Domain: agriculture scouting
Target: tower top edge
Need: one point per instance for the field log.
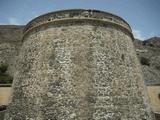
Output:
(76, 13)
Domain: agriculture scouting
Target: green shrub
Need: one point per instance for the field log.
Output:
(5, 79)
(3, 68)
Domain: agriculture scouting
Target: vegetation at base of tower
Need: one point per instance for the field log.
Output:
(3, 68)
(4, 77)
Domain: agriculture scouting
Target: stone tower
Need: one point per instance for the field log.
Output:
(78, 65)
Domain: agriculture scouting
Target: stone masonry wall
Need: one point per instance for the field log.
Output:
(78, 72)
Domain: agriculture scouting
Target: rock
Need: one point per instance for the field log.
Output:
(152, 42)
(148, 52)
(10, 44)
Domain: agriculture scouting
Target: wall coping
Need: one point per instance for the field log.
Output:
(73, 15)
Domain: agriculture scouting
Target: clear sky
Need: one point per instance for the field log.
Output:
(142, 15)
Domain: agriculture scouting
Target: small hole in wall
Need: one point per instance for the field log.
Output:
(49, 19)
(145, 61)
(122, 57)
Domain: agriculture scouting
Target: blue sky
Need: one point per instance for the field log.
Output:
(142, 15)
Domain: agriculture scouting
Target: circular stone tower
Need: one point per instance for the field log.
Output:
(78, 65)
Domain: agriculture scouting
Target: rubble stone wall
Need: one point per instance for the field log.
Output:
(81, 70)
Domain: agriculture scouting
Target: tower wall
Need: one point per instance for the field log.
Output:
(82, 67)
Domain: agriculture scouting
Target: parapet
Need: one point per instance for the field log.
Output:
(78, 16)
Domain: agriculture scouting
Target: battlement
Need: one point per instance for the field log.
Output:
(78, 15)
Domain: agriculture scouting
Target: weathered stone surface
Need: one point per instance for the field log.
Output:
(78, 70)
(2, 113)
